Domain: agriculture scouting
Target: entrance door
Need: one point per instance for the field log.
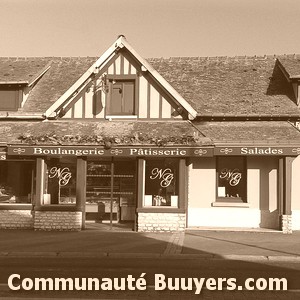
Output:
(111, 191)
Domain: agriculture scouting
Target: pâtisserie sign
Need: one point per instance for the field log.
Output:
(120, 151)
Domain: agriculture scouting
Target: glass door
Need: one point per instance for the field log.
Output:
(110, 192)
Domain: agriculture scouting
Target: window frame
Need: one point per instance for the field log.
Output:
(225, 201)
(122, 78)
(161, 161)
(47, 202)
(18, 95)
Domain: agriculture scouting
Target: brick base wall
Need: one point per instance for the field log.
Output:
(57, 220)
(161, 222)
(286, 224)
(16, 219)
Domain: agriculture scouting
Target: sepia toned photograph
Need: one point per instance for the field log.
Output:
(149, 149)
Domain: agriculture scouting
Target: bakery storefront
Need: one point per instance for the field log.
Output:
(67, 186)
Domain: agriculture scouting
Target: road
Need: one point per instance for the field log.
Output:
(104, 267)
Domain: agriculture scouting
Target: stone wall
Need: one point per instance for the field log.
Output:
(16, 219)
(161, 222)
(286, 224)
(57, 220)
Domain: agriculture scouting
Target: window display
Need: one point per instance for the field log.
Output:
(161, 183)
(60, 181)
(231, 179)
(16, 182)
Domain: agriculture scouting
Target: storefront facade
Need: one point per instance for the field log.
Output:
(119, 144)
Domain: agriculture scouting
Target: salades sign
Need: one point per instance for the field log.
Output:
(114, 151)
(257, 150)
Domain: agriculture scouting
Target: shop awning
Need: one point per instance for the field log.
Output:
(267, 138)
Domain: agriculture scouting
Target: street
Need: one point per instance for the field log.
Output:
(104, 267)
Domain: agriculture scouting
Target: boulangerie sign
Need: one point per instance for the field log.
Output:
(89, 151)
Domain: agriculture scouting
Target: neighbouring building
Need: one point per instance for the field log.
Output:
(162, 144)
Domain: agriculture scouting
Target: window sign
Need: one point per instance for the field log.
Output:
(231, 179)
(60, 182)
(161, 186)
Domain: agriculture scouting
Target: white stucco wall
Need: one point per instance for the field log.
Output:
(261, 196)
(296, 194)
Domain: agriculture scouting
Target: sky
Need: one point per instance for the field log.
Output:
(155, 28)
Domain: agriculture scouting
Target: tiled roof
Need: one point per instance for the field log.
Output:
(230, 85)
(21, 69)
(250, 132)
(143, 131)
(212, 86)
(62, 74)
(291, 64)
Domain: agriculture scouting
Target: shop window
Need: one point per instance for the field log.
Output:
(60, 181)
(121, 100)
(231, 179)
(161, 183)
(16, 182)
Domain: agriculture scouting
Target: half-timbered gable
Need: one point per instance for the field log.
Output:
(121, 87)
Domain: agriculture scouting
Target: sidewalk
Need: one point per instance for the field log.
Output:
(205, 244)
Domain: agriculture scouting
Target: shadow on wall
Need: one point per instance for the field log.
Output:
(268, 203)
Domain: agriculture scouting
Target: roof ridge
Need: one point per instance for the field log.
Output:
(224, 57)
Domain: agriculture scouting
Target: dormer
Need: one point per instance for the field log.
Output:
(290, 67)
(18, 76)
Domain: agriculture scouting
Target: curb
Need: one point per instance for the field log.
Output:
(270, 258)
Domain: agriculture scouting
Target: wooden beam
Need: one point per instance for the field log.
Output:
(182, 187)
(40, 175)
(81, 187)
(285, 185)
(140, 182)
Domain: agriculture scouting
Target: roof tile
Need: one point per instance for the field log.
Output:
(235, 85)
(250, 131)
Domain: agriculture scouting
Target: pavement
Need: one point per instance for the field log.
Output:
(191, 244)
(201, 244)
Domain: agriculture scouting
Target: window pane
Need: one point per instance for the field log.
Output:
(60, 187)
(231, 178)
(116, 99)
(121, 98)
(161, 183)
(128, 98)
(16, 182)
(8, 99)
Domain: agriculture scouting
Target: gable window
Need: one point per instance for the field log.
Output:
(122, 96)
(231, 179)
(9, 98)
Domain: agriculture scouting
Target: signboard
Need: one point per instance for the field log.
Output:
(257, 150)
(2, 155)
(114, 151)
